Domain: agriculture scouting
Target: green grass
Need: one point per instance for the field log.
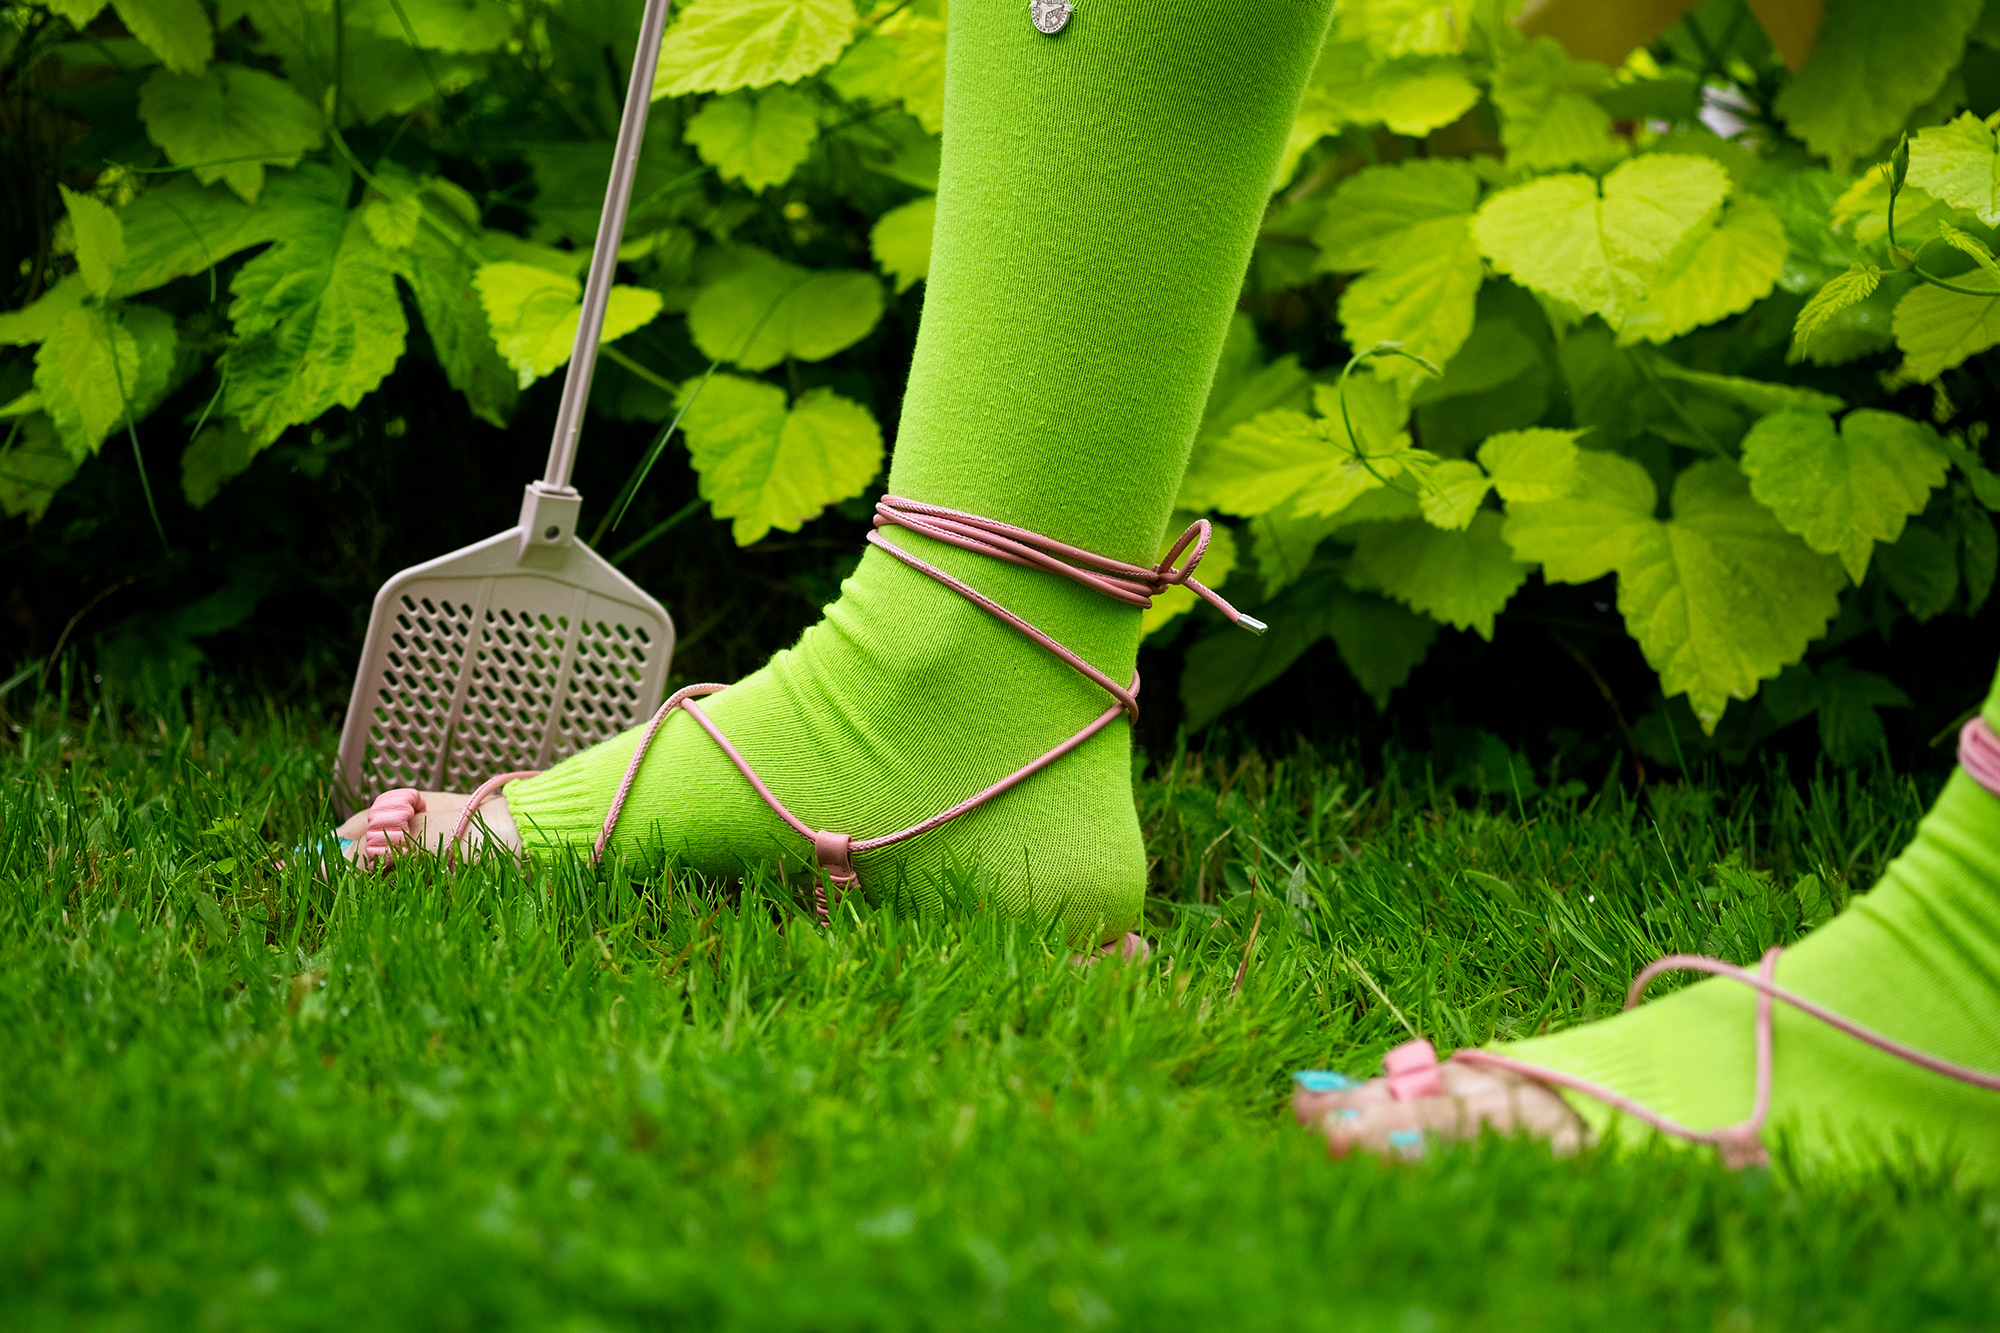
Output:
(233, 1097)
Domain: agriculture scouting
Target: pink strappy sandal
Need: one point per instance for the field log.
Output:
(1412, 1067)
(833, 852)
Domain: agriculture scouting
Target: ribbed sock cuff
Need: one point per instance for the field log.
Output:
(565, 806)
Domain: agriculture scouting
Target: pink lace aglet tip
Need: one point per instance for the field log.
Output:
(1251, 623)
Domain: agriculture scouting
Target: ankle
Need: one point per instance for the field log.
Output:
(917, 628)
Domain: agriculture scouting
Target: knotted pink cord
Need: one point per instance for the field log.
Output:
(1135, 585)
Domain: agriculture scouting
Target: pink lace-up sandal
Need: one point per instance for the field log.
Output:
(389, 819)
(1412, 1068)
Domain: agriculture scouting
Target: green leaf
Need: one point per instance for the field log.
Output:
(78, 12)
(181, 227)
(1959, 163)
(768, 468)
(1843, 491)
(1243, 389)
(1978, 549)
(902, 60)
(1452, 493)
(1286, 455)
(43, 319)
(1922, 570)
(1216, 566)
(897, 147)
(1759, 397)
(214, 456)
(1409, 224)
(177, 31)
(1605, 386)
(1872, 65)
(32, 469)
(1672, 96)
(757, 138)
(379, 75)
(1497, 354)
(1850, 288)
(1391, 28)
(1967, 244)
(717, 46)
(1461, 578)
(1379, 641)
(1601, 252)
(1862, 210)
(1938, 329)
(1282, 541)
(1594, 529)
(103, 368)
(1381, 214)
(442, 271)
(534, 315)
(462, 27)
(1719, 597)
(214, 121)
(393, 223)
(1425, 300)
(761, 310)
(318, 324)
(1548, 113)
(100, 241)
(1985, 485)
(1531, 465)
(1850, 728)
(901, 241)
(1726, 269)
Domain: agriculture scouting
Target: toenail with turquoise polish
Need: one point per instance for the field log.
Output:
(1324, 1080)
(1347, 1113)
(1405, 1138)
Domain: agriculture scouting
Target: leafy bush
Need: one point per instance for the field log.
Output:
(1681, 323)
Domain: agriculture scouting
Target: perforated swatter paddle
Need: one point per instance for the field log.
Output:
(529, 646)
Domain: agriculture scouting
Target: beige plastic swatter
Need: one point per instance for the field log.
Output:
(529, 646)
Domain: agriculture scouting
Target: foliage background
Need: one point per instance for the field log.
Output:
(310, 262)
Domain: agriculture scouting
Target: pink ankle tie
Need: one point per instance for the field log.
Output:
(1135, 585)
(1413, 1067)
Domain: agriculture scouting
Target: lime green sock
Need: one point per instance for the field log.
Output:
(1917, 959)
(1099, 196)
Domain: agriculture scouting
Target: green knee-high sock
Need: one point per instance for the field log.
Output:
(1099, 196)
(1917, 959)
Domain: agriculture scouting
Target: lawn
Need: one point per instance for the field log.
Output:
(235, 1097)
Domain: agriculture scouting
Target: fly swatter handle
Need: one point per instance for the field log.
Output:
(604, 256)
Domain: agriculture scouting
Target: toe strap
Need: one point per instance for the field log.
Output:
(390, 820)
(1413, 1071)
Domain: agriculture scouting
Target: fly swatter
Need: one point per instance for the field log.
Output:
(529, 646)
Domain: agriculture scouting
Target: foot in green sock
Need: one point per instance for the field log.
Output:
(1099, 196)
(1917, 960)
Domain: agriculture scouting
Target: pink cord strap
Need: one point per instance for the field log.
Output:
(1740, 1144)
(1135, 585)
(1979, 754)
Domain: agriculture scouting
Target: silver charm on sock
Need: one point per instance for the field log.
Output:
(1050, 15)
